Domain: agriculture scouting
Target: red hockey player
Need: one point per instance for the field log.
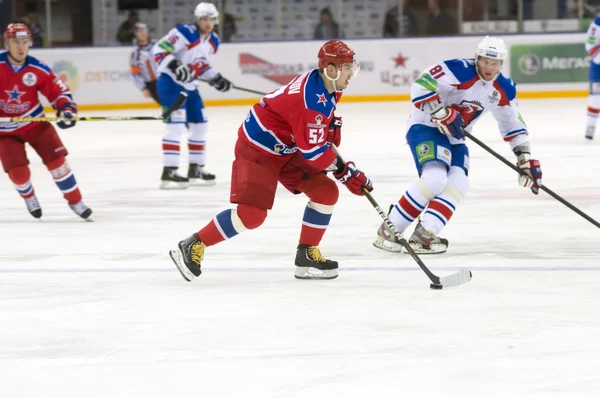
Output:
(22, 77)
(286, 138)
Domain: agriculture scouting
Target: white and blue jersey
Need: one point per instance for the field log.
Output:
(185, 44)
(456, 83)
(592, 46)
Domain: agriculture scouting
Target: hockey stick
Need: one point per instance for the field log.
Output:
(455, 279)
(176, 105)
(521, 172)
(248, 90)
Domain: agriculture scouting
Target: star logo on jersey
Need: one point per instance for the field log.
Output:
(14, 95)
(322, 99)
(400, 61)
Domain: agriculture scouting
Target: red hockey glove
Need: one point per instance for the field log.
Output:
(334, 134)
(451, 124)
(354, 179)
(533, 173)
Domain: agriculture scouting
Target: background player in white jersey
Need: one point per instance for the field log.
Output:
(183, 56)
(448, 97)
(592, 46)
(141, 62)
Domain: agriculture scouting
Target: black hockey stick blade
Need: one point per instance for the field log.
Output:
(176, 105)
(521, 172)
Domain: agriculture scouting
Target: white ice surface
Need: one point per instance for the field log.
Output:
(96, 309)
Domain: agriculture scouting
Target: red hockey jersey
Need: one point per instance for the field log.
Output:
(294, 117)
(19, 92)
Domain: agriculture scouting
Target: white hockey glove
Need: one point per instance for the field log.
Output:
(182, 73)
(450, 122)
(532, 178)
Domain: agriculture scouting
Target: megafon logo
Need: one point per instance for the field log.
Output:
(279, 73)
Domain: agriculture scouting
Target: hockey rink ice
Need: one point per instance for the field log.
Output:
(97, 309)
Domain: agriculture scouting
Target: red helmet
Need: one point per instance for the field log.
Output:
(17, 31)
(336, 52)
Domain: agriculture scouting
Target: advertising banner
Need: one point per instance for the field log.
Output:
(549, 63)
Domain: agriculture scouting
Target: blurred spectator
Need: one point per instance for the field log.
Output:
(228, 29)
(37, 38)
(391, 24)
(327, 27)
(126, 32)
(440, 22)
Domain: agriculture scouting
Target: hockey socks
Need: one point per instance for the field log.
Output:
(314, 223)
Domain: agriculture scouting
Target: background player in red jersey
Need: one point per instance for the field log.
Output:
(286, 138)
(21, 78)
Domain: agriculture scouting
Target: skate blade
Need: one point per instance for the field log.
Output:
(173, 185)
(386, 245)
(199, 182)
(177, 258)
(434, 249)
(314, 273)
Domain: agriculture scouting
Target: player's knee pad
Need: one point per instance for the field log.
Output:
(198, 131)
(251, 216)
(59, 167)
(594, 89)
(173, 131)
(19, 175)
(458, 183)
(320, 189)
(594, 98)
(434, 179)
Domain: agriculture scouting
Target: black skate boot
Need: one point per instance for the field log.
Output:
(589, 132)
(188, 256)
(171, 180)
(425, 242)
(81, 210)
(310, 264)
(198, 177)
(33, 206)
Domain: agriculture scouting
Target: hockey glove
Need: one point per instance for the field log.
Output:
(450, 122)
(533, 173)
(334, 134)
(67, 111)
(220, 83)
(354, 179)
(182, 73)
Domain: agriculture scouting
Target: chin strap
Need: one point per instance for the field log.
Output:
(330, 79)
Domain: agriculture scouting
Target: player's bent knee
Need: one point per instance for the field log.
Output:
(433, 179)
(59, 167)
(458, 183)
(19, 175)
(251, 216)
(320, 189)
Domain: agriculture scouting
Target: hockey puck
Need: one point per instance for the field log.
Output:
(436, 287)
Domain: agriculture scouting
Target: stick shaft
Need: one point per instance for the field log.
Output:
(543, 188)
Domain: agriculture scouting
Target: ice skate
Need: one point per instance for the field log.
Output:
(81, 210)
(198, 177)
(424, 242)
(310, 264)
(188, 256)
(33, 206)
(386, 240)
(589, 133)
(171, 180)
